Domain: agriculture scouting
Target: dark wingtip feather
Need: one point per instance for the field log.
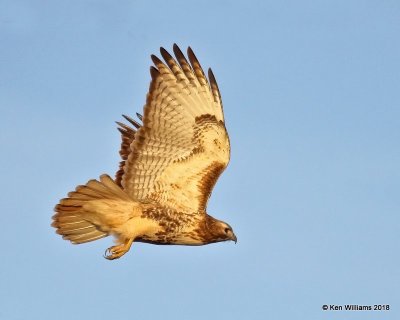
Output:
(155, 59)
(213, 81)
(177, 50)
(211, 76)
(164, 53)
(214, 86)
(154, 72)
(198, 70)
(131, 121)
(183, 62)
(178, 53)
(192, 57)
(124, 126)
(190, 52)
(167, 57)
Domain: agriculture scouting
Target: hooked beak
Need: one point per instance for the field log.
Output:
(233, 238)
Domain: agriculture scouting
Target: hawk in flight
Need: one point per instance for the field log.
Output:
(171, 161)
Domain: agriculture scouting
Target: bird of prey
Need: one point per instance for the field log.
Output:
(171, 161)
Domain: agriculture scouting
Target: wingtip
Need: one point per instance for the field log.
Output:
(132, 121)
(190, 51)
(210, 74)
(154, 72)
(176, 48)
(121, 126)
(155, 59)
(177, 51)
(192, 58)
(163, 51)
(166, 56)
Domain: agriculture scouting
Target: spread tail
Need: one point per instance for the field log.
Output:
(72, 220)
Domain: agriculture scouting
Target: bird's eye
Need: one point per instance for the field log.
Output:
(227, 230)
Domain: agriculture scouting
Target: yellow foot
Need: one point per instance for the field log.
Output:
(118, 251)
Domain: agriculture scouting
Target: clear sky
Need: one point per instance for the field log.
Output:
(311, 91)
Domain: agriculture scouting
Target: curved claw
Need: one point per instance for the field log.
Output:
(107, 254)
(118, 251)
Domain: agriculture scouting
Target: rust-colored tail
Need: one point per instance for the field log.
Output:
(71, 220)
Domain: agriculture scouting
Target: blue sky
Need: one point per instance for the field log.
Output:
(311, 91)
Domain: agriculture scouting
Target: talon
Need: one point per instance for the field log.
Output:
(114, 252)
(107, 253)
(118, 251)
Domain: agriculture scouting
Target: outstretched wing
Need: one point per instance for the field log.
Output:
(177, 155)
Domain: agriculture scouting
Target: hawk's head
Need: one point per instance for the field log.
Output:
(217, 231)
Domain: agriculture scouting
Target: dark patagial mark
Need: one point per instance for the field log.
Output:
(208, 181)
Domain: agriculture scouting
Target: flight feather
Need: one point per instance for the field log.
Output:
(182, 147)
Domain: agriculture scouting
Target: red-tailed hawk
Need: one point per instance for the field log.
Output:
(170, 164)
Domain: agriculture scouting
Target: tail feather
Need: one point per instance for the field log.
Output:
(80, 196)
(85, 237)
(76, 227)
(71, 219)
